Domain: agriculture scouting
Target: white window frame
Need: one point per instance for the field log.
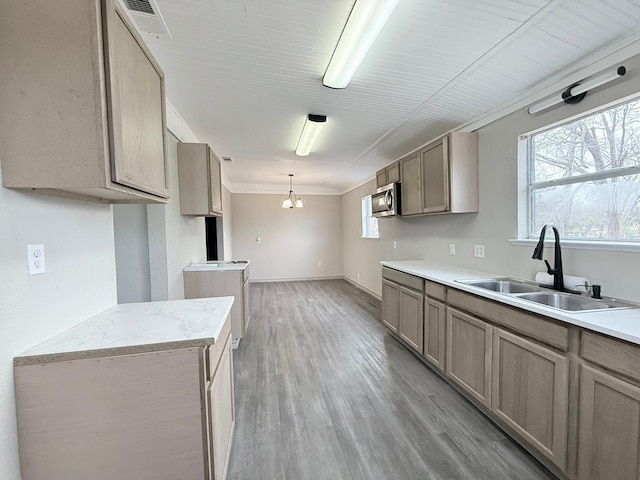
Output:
(525, 190)
(368, 219)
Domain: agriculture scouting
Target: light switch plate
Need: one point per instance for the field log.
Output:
(478, 251)
(35, 259)
(452, 249)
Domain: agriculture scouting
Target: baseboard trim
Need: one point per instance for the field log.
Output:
(298, 279)
(364, 289)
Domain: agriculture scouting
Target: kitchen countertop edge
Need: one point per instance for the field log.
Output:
(623, 324)
(75, 342)
(204, 267)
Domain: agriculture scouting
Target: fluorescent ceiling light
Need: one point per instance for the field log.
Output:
(363, 26)
(313, 125)
(577, 92)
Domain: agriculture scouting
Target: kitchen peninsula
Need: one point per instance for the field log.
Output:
(142, 390)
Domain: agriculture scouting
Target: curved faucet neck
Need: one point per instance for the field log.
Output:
(556, 271)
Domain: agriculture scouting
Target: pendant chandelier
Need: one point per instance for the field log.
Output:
(291, 200)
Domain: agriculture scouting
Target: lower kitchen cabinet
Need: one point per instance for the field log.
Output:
(609, 427)
(163, 415)
(469, 354)
(530, 393)
(221, 413)
(214, 282)
(403, 306)
(435, 316)
(391, 305)
(411, 317)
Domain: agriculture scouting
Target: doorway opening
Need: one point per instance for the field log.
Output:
(214, 238)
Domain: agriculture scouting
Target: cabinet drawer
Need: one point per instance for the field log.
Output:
(613, 354)
(435, 290)
(410, 281)
(214, 352)
(527, 324)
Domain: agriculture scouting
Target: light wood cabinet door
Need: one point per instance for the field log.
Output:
(246, 306)
(531, 393)
(215, 185)
(469, 354)
(435, 177)
(222, 415)
(381, 178)
(199, 180)
(434, 332)
(411, 193)
(391, 305)
(609, 427)
(393, 172)
(411, 318)
(136, 95)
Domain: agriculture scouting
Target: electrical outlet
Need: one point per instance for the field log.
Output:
(395, 244)
(35, 259)
(452, 249)
(478, 251)
(319, 263)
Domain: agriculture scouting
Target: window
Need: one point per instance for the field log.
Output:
(584, 176)
(369, 223)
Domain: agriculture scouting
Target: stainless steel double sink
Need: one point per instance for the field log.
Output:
(534, 293)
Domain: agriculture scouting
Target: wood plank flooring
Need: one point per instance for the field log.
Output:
(323, 392)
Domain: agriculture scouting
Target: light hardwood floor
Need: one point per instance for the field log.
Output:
(323, 392)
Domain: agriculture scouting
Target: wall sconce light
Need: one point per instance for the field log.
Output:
(292, 200)
(313, 125)
(577, 91)
(363, 26)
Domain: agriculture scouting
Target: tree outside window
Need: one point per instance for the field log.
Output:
(584, 176)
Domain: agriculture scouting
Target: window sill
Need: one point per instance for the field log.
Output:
(371, 238)
(581, 244)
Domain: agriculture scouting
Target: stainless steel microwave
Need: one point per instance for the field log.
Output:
(386, 201)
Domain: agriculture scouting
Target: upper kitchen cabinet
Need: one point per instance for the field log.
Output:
(442, 177)
(200, 180)
(387, 175)
(83, 105)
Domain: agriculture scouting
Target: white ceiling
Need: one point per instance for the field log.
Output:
(244, 75)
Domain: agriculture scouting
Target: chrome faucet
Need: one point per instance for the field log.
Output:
(556, 271)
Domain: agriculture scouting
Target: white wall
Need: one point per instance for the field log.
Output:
(292, 240)
(132, 253)
(429, 237)
(185, 235)
(155, 242)
(227, 224)
(80, 281)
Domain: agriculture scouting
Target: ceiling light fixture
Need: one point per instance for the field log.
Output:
(313, 125)
(291, 200)
(577, 91)
(363, 26)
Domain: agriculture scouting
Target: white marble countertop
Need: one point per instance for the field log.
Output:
(136, 328)
(619, 323)
(216, 265)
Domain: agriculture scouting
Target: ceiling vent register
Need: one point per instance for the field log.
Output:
(147, 17)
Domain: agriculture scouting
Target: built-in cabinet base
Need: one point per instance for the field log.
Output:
(570, 396)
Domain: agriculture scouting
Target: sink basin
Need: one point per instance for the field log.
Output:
(502, 285)
(565, 301)
(534, 293)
